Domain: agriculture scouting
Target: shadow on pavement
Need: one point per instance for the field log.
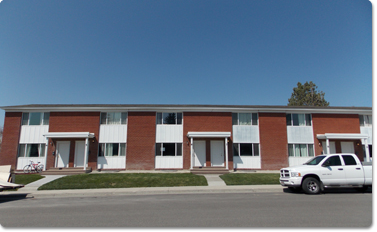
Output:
(12, 197)
(335, 191)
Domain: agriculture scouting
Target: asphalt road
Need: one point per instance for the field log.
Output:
(285, 209)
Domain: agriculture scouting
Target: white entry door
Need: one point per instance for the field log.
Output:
(199, 153)
(217, 153)
(79, 153)
(347, 147)
(62, 153)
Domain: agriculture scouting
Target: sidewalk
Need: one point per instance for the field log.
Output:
(215, 185)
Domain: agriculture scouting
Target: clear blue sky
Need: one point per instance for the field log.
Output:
(183, 52)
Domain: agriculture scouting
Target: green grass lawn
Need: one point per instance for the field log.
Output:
(27, 178)
(250, 178)
(125, 180)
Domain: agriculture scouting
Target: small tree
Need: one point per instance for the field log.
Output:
(307, 95)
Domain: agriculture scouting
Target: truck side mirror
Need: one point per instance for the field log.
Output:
(326, 163)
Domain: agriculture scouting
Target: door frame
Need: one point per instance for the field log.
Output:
(57, 153)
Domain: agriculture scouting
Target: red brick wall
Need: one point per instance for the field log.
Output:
(141, 140)
(74, 122)
(11, 135)
(336, 123)
(273, 140)
(205, 122)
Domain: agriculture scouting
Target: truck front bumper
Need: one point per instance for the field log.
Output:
(291, 182)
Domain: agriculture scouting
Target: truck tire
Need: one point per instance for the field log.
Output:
(311, 185)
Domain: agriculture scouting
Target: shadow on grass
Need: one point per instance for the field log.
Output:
(12, 197)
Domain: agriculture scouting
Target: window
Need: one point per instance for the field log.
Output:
(245, 149)
(349, 160)
(334, 161)
(168, 149)
(245, 118)
(113, 118)
(300, 150)
(299, 119)
(169, 118)
(31, 150)
(35, 118)
(112, 149)
(365, 120)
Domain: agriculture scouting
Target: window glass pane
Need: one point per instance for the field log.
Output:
(35, 118)
(159, 118)
(289, 119)
(179, 118)
(169, 118)
(101, 149)
(124, 118)
(349, 160)
(334, 161)
(122, 149)
(303, 150)
(113, 118)
(256, 149)
(235, 149)
(245, 118)
(103, 118)
(301, 119)
(368, 120)
(168, 149)
(308, 119)
(158, 149)
(21, 151)
(109, 149)
(254, 119)
(297, 150)
(115, 149)
(290, 150)
(234, 118)
(179, 149)
(25, 119)
(311, 149)
(246, 149)
(42, 150)
(33, 150)
(361, 119)
(295, 119)
(46, 118)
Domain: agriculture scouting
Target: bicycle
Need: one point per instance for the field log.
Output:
(33, 167)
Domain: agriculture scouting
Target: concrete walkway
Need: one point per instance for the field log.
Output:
(214, 180)
(33, 186)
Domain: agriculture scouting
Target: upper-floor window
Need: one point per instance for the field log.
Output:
(299, 119)
(112, 118)
(365, 120)
(35, 118)
(169, 118)
(245, 118)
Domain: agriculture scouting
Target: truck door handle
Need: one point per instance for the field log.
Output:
(341, 169)
(358, 168)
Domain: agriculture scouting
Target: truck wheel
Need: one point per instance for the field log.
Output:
(311, 186)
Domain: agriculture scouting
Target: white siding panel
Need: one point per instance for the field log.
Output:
(111, 162)
(23, 161)
(245, 134)
(169, 133)
(300, 134)
(294, 161)
(33, 134)
(247, 162)
(367, 131)
(113, 134)
(169, 162)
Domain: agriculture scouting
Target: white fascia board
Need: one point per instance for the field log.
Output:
(69, 135)
(342, 136)
(208, 134)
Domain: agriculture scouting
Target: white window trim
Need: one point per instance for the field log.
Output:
(251, 122)
(40, 154)
(125, 149)
(169, 112)
(107, 123)
(311, 120)
(252, 147)
(28, 119)
(307, 149)
(175, 150)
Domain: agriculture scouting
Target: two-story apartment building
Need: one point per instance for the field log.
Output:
(182, 137)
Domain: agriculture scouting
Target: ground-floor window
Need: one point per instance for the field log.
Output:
(168, 149)
(245, 149)
(112, 149)
(31, 150)
(300, 150)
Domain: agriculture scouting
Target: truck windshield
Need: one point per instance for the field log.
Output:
(315, 160)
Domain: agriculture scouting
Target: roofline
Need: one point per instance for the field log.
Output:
(186, 108)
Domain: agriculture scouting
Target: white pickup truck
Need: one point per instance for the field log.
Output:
(327, 171)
